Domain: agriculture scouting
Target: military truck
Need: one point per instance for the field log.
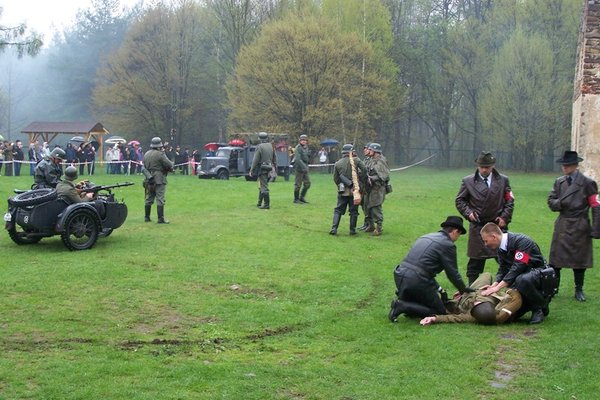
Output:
(235, 159)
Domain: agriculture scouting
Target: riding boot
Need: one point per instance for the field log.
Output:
(335, 224)
(148, 210)
(353, 221)
(161, 215)
(260, 199)
(409, 308)
(579, 275)
(297, 196)
(302, 200)
(267, 200)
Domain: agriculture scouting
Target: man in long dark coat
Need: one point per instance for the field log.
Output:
(572, 196)
(484, 197)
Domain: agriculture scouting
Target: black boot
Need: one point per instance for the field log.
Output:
(267, 200)
(260, 199)
(579, 275)
(537, 316)
(302, 200)
(409, 308)
(297, 196)
(353, 221)
(161, 215)
(365, 225)
(148, 210)
(335, 224)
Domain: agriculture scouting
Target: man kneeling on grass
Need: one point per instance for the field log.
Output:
(497, 308)
(431, 254)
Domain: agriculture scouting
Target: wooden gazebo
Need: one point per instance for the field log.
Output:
(48, 131)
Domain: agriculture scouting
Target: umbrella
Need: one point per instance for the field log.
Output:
(1, 137)
(115, 140)
(212, 146)
(133, 142)
(77, 139)
(236, 142)
(329, 142)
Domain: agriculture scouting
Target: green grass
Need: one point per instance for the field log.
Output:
(232, 302)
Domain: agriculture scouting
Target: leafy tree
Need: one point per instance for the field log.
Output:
(515, 110)
(155, 82)
(15, 37)
(301, 75)
(370, 20)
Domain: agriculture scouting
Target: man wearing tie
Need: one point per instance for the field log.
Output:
(572, 196)
(484, 197)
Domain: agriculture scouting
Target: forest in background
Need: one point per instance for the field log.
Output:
(444, 77)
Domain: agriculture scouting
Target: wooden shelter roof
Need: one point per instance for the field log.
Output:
(48, 131)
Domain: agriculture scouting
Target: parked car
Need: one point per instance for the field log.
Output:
(35, 214)
(235, 159)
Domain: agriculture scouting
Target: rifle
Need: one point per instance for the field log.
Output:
(89, 187)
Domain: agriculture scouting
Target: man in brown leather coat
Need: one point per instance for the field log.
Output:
(573, 196)
(484, 197)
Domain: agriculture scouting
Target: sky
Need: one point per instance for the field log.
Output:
(45, 16)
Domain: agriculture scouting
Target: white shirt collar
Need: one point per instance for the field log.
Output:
(504, 242)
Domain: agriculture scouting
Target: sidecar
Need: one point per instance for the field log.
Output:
(39, 213)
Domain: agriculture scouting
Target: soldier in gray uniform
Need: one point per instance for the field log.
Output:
(48, 171)
(302, 181)
(157, 166)
(68, 190)
(573, 196)
(363, 203)
(342, 176)
(377, 179)
(262, 163)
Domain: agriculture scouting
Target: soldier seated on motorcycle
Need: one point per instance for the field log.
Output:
(48, 172)
(70, 191)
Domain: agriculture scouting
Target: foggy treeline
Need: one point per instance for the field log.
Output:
(450, 77)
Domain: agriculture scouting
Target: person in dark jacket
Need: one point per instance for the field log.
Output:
(262, 163)
(48, 172)
(520, 264)
(483, 197)
(18, 156)
(572, 196)
(417, 289)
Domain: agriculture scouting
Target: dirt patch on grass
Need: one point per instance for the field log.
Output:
(272, 332)
(204, 344)
(376, 288)
(508, 358)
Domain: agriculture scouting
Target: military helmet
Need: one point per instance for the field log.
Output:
(70, 173)
(57, 152)
(484, 313)
(303, 137)
(263, 136)
(366, 146)
(376, 147)
(348, 148)
(156, 143)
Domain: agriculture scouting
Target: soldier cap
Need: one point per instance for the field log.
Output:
(303, 137)
(376, 147)
(57, 152)
(156, 143)
(263, 136)
(347, 149)
(71, 173)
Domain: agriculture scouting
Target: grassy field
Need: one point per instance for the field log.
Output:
(232, 302)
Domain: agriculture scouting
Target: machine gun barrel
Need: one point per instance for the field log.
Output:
(97, 188)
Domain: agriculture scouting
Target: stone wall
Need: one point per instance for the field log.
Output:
(585, 130)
